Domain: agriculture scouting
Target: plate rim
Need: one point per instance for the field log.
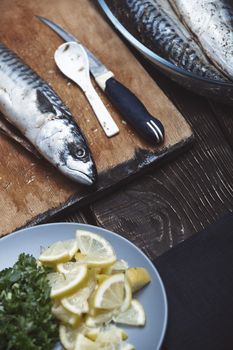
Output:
(93, 227)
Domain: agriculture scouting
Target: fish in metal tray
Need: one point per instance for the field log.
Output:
(32, 106)
(155, 23)
(211, 22)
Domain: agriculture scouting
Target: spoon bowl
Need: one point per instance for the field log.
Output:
(72, 60)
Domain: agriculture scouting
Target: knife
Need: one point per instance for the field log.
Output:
(129, 106)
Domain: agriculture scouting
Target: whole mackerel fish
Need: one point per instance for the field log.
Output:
(31, 105)
(156, 24)
(211, 21)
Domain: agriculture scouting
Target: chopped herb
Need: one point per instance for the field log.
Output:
(26, 321)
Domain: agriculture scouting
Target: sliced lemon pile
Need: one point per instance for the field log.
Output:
(96, 251)
(60, 251)
(91, 289)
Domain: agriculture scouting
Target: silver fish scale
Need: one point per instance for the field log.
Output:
(158, 27)
(22, 73)
(211, 22)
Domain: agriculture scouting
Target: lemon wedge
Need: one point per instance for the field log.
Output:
(63, 315)
(67, 336)
(112, 293)
(99, 319)
(96, 251)
(63, 285)
(77, 303)
(111, 334)
(138, 277)
(68, 267)
(116, 267)
(106, 339)
(83, 343)
(133, 316)
(60, 251)
(96, 333)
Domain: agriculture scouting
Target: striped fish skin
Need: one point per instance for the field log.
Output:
(155, 24)
(32, 106)
(211, 21)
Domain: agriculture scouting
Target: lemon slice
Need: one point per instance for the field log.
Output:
(111, 334)
(94, 333)
(138, 277)
(65, 284)
(128, 296)
(60, 251)
(83, 343)
(97, 251)
(77, 303)
(68, 267)
(100, 319)
(133, 316)
(63, 315)
(113, 293)
(116, 267)
(67, 336)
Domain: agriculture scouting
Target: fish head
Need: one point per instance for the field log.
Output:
(63, 144)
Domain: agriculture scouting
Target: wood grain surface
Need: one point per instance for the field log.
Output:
(31, 189)
(224, 116)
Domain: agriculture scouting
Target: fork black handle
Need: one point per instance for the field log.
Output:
(134, 112)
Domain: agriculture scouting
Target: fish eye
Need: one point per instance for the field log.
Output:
(76, 150)
(80, 153)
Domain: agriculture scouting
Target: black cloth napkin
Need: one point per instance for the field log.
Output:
(198, 278)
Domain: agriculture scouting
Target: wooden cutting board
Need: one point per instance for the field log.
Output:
(31, 189)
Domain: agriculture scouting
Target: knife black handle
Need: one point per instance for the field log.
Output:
(134, 112)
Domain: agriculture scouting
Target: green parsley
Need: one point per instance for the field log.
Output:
(26, 321)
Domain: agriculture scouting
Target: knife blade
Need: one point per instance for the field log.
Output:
(125, 101)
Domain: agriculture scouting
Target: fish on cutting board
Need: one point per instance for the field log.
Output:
(155, 23)
(211, 21)
(32, 106)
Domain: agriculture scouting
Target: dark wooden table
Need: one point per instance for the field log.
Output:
(170, 203)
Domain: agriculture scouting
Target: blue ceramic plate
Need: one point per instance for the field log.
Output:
(153, 296)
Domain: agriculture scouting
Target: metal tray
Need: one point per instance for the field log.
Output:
(213, 89)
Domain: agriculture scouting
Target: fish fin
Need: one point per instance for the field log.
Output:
(44, 104)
